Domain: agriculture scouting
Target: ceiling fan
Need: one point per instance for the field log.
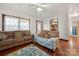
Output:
(39, 6)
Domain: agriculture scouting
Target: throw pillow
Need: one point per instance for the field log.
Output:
(27, 33)
(10, 35)
(47, 36)
(18, 34)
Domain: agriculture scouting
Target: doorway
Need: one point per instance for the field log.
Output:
(39, 26)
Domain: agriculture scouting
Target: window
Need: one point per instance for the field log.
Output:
(15, 23)
(74, 30)
(10, 23)
(74, 26)
(24, 24)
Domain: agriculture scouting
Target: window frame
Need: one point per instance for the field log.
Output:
(3, 22)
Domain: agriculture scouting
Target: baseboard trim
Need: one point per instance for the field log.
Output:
(63, 39)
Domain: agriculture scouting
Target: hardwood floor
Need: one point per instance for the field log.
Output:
(68, 47)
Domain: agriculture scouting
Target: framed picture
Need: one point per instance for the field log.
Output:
(54, 24)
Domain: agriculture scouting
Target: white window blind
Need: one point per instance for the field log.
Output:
(24, 24)
(10, 23)
(15, 23)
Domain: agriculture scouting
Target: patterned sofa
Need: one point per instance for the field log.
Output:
(47, 39)
(10, 39)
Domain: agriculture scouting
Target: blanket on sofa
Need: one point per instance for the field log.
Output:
(47, 42)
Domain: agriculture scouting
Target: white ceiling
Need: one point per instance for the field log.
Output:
(51, 10)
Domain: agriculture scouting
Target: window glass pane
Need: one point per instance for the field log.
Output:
(24, 24)
(74, 30)
(11, 23)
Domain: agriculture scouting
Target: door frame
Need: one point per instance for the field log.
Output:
(37, 25)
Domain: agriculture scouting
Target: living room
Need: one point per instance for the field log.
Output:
(39, 29)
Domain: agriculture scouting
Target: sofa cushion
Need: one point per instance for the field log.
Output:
(26, 33)
(10, 35)
(4, 42)
(27, 37)
(3, 36)
(54, 33)
(44, 33)
(17, 40)
(47, 36)
(18, 34)
(41, 35)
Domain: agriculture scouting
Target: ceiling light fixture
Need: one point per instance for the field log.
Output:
(40, 6)
(39, 9)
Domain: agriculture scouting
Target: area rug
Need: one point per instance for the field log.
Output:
(30, 50)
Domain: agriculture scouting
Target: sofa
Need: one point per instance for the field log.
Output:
(10, 39)
(47, 39)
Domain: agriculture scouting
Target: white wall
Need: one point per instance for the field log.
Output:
(33, 26)
(46, 24)
(63, 26)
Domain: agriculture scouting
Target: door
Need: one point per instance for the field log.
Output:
(39, 26)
